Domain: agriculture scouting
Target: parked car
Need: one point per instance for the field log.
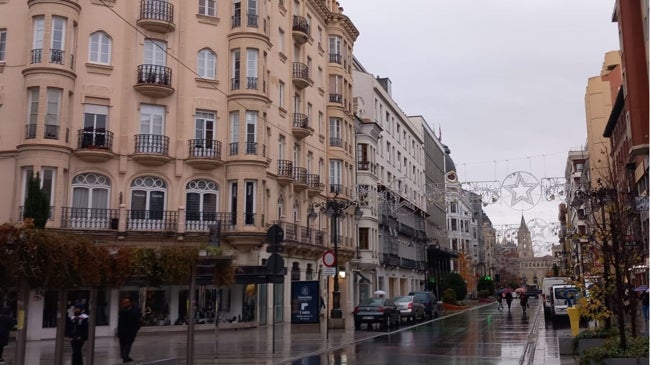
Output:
(377, 310)
(410, 308)
(431, 307)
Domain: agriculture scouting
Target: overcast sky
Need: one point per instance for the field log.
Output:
(504, 80)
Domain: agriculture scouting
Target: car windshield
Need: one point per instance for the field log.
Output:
(403, 299)
(374, 302)
(564, 293)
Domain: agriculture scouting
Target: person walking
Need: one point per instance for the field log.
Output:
(509, 299)
(523, 300)
(77, 331)
(128, 324)
(500, 301)
(7, 322)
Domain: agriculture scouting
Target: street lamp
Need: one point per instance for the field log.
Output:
(334, 209)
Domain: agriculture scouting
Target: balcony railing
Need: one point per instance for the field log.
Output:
(249, 218)
(89, 218)
(300, 120)
(300, 24)
(313, 181)
(336, 142)
(204, 148)
(285, 168)
(148, 220)
(251, 83)
(235, 84)
(336, 58)
(336, 98)
(336, 188)
(300, 71)
(363, 165)
(155, 75)
(95, 138)
(407, 263)
(252, 20)
(251, 148)
(234, 148)
(300, 175)
(301, 234)
(236, 20)
(201, 221)
(151, 143)
(51, 131)
(157, 10)
(30, 131)
(57, 56)
(37, 55)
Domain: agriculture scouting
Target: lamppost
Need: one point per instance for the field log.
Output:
(334, 209)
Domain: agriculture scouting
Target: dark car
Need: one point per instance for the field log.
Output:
(377, 310)
(430, 302)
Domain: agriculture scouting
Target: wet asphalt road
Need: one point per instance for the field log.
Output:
(481, 336)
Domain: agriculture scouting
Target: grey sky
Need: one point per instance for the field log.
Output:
(504, 79)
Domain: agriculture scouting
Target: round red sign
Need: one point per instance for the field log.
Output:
(329, 259)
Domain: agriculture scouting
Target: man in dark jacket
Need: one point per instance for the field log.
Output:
(6, 324)
(128, 324)
(509, 299)
(77, 331)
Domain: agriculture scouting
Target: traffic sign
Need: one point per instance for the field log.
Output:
(329, 271)
(275, 263)
(275, 234)
(329, 259)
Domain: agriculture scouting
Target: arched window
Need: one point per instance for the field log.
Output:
(99, 50)
(207, 64)
(148, 198)
(202, 200)
(295, 271)
(90, 196)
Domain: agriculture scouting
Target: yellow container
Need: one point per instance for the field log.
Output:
(574, 319)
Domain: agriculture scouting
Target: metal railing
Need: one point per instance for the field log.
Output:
(313, 181)
(336, 58)
(285, 168)
(336, 142)
(236, 20)
(157, 10)
(151, 143)
(251, 148)
(251, 83)
(300, 24)
(336, 188)
(252, 20)
(336, 98)
(235, 83)
(57, 56)
(201, 221)
(154, 74)
(204, 148)
(363, 165)
(89, 218)
(37, 55)
(148, 220)
(30, 131)
(300, 120)
(51, 131)
(94, 138)
(234, 148)
(300, 175)
(300, 71)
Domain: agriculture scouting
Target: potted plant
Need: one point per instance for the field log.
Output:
(590, 338)
(611, 352)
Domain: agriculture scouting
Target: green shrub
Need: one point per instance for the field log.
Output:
(449, 296)
(637, 347)
(455, 281)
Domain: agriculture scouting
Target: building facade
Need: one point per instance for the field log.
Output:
(143, 134)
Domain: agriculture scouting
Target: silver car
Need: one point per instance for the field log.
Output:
(409, 308)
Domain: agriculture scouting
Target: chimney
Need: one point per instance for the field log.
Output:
(385, 83)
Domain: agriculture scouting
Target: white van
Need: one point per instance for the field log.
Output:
(563, 297)
(547, 283)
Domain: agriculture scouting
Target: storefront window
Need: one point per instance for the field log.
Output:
(50, 299)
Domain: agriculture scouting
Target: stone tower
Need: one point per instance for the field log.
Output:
(524, 241)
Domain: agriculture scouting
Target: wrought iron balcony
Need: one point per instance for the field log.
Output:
(300, 75)
(154, 80)
(363, 165)
(201, 221)
(252, 20)
(314, 185)
(148, 220)
(336, 142)
(151, 149)
(204, 153)
(301, 128)
(30, 131)
(37, 55)
(336, 98)
(157, 16)
(300, 29)
(336, 58)
(94, 144)
(300, 178)
(57, 56)
(51, 131)
(89, 218)
(285, 171)
(251, 83)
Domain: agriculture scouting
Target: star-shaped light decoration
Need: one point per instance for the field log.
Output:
(522, 189)
(537, 227)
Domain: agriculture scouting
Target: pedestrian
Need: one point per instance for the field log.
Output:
(7, 323)
(500, 301)
(128, 324)
(77, 331)
(644, 304)
(523, 300)
(509, 299)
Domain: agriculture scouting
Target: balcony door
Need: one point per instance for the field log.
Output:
(152, 127)
(148, 198)
(90, 194)
(204, 133)
(154, 52)
(95, 125)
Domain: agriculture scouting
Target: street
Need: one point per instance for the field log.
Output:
(479, 335)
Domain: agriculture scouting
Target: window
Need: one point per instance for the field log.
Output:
(3, 44)
(252, 13)
(90, 193)
(234, 133)
(281, 40)
(236, 69)
(95, 125)
(251, 133)
(207, 61)
(33, 94)
(37, 42)
(364, 238)
(152, 126)
(205, 129)
(233, 202)
(202, 197)
(148, 198)
(52, 114)
(57, 44)
(251, 68)
(208, 7)
(100, 48)
(249, 202)
(281, 94)
(335, 176)
(335, 132)
(154, 52)
(335, 49)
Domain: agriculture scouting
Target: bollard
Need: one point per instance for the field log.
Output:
(574, 318)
